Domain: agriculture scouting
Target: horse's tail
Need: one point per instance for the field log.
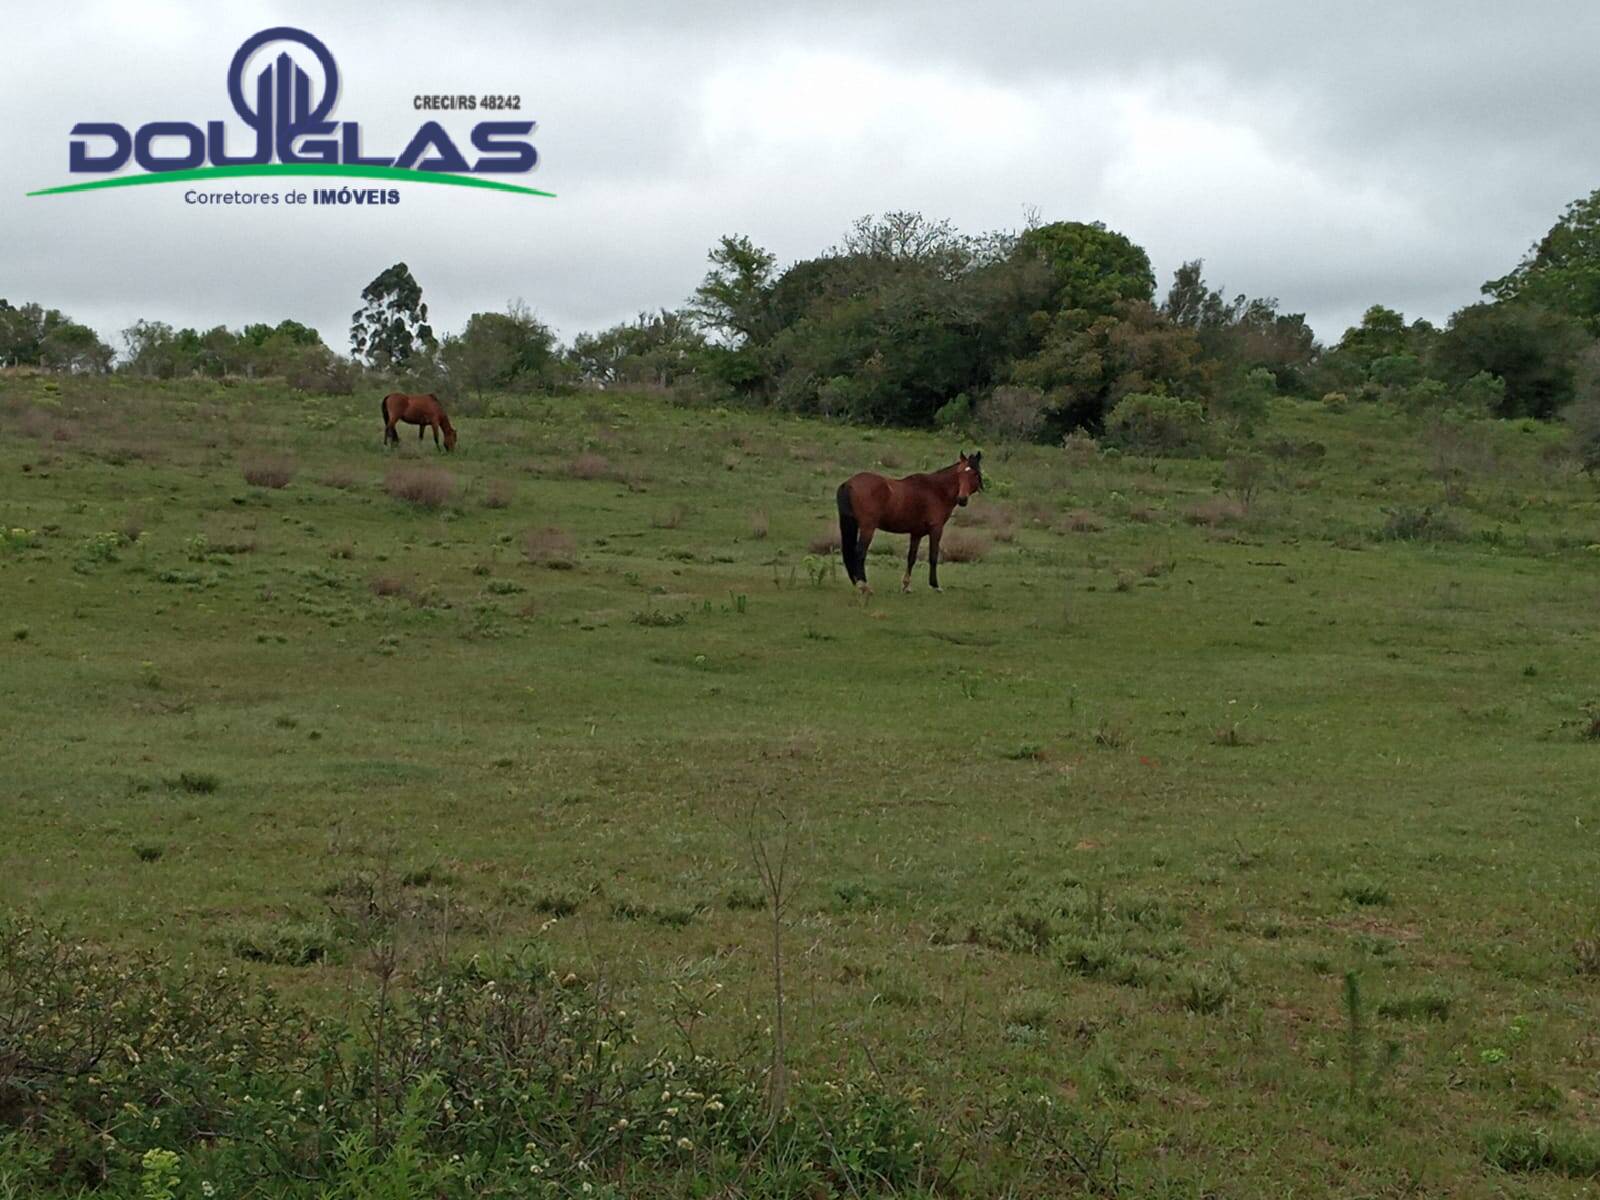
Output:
(383, 409)
(849, 531)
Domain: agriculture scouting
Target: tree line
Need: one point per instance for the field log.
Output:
(1032, 333)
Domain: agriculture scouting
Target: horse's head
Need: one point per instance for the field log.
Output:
(969, 476)
(444, 423)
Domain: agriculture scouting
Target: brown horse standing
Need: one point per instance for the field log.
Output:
(421, 411)
(918, 505)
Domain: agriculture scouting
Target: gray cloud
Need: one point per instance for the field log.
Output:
(1331, 155)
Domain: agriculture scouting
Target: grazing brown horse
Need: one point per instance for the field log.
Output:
(918, 505)
(421, 411)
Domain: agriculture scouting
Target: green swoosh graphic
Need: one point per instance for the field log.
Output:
(404, 174)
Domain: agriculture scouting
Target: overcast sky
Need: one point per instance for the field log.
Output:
(1332, 155)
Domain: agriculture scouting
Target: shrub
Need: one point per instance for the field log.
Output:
(1289, 450)
(963, 546)
(1583, 431)
(319, 371)
(591, 466)
(498, 494)
(269, 472)
(955, 414)
(1214, 511)
(1396, 371)
(99, 548)
(1424, 396)
(343, 478)
(1243, 475)
(1574, 1154)
(1244, 405)
(425, 487)
(1432, 1004)
(1363, 891)
(1150, 423)
(1483, 395)
(1080, 520)
(390, 585)
(826, 542)
(656, 619)
(1012, 413)
(1000, 521)
(550, 547)
(1079, 448)
(744, 899)
(1405, 524)
(1204, 990)
(284, 944)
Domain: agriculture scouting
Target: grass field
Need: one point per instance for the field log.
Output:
(1107, 822)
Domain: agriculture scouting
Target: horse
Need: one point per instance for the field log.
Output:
(421, 411)
(918, 505)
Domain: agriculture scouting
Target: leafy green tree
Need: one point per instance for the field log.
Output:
(1095, 268)
(152, 349)
(659, 348)
(1244, 404)
(1086, 366)
(286, 331)
(1381, 334)
(1190, 302)
(731, 301)
(893, 340)
(1483, 395)
(1396, 370)
(391, 327)
(69, 346)
(1155, 423)
(909, 237)
(288, 348)
(1561, 271)
(35, 336)
(1243, 333)
(1533, 350)
(502, 351)
(1583, 414)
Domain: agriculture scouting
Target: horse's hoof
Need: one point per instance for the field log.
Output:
(934, 587)
(863, 588)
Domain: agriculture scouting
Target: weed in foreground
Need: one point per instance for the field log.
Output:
(152, 1077)
(271, 472)
(1364, 1070)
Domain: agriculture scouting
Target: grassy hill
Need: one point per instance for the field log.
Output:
(1107, 822)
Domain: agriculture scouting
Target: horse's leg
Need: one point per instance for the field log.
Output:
(422, 430)
(863, 544)
(389, 435)
(435, 424)
(911, 561)
(933, 557)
